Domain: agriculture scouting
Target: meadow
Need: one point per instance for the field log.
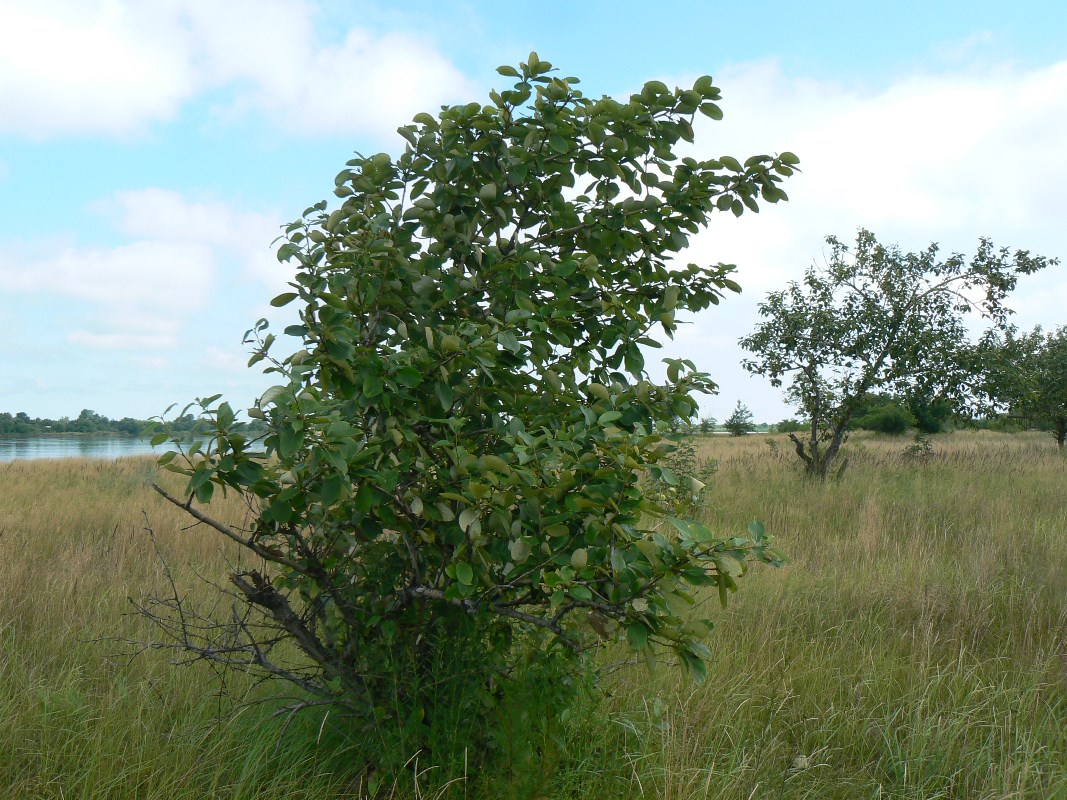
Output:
(914, 647)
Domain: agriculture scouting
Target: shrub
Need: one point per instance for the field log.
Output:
(450, 486)
(888, 418)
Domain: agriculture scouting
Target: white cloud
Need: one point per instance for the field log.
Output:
(135, 296)
(114, 66)
(227, 360)
(945, 158)
(368, 83)
(88, 67)
(168, 217)
(120, 341)
(151, 362)
(165, 274)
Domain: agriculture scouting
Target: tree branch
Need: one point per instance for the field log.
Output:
(266, 553)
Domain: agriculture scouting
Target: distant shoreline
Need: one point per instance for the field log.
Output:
(72, 435)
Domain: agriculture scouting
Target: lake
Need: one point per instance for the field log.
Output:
(28, 447)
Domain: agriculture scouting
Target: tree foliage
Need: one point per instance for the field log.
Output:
(450, 486)
(883, 414)
(88, 421)
(1027, 375)
(878, 318)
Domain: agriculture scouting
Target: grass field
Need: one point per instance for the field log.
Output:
(915, 646)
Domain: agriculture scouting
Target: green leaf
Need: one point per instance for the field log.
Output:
(509, 342)
(637, 635)
(599, 391)
(409, 376)
(468, 517)
(682, 526)
(451, 343)
(464, 573)
(204, 491)
(284, 299)
(608, 417)
(519, 551)
(581, 592)
(634, 360)
(698, 670)
(331, 489)
(711, 110)
(724, 595)
(510, 72)
(365, 498)
(372, 385)
(444, 395)
(289, 441)
(704, 85)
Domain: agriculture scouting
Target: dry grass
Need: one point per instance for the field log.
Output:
(915, 646)
(79, 719)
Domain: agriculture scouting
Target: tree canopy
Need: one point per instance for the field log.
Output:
(1026, 374)
(876, 317)
(88, 421)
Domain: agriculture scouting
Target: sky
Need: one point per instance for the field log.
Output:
(151, 151)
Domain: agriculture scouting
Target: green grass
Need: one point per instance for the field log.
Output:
(915, 647)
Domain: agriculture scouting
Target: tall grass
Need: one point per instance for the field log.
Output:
(915, 646)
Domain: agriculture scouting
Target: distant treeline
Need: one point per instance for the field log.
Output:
(87, 421)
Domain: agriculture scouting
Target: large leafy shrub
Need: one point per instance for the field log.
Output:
(448, 500)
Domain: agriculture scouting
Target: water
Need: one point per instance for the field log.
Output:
(27, 447)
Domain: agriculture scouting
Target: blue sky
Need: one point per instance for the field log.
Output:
(149, 152)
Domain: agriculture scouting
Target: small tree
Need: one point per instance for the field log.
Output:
(739, 423)
(877, 318)
(707, 425)
(448, 500)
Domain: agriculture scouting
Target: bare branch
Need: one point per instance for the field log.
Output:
(266, 553)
